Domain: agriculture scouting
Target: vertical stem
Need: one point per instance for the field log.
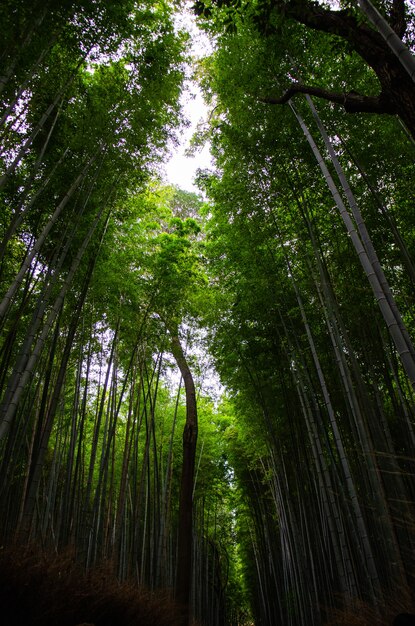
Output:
(185, 532)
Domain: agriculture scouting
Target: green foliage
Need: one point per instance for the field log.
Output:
(289, 330)
(317, 418)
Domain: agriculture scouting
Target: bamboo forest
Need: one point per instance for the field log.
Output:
(207, 397)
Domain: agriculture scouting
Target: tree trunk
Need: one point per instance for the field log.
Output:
(185, 531)
(8, 297)
(388, 57)
(378, 290)
(25, 374)
(394, 42)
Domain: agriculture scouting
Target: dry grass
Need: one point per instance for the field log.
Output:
(48, 590)
(39, 589)
(360, 613)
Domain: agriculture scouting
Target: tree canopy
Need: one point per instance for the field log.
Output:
(212, 393)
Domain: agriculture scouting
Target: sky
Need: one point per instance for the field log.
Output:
(181, 169)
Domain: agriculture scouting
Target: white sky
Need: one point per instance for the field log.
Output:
(181, 169)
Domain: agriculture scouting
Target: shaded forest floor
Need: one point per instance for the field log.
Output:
(362, 614)
(38, 588)
(49, 590)
(396, 609)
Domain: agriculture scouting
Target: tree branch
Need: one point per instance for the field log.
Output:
(352, 102)
(364, 39)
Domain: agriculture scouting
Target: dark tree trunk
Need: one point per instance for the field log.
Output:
(397, 89)
(185, 531)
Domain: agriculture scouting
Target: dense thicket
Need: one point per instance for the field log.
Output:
(97, 268)
(311, 244)
(290, 500)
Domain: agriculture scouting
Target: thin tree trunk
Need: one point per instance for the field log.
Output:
(7, 299)
(162, 577)
(25, 83)
(53, 405)
(21, 211)
(394, 42)
(407, 260)
(26, 374)
(363, 232)
(59, 99)
(34, 25)
(388, 315)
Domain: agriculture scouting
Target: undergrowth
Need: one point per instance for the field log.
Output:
(41, 589)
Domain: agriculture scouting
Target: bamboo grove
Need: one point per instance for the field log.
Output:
(311, 242)
(288, 497)
(91, 428)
